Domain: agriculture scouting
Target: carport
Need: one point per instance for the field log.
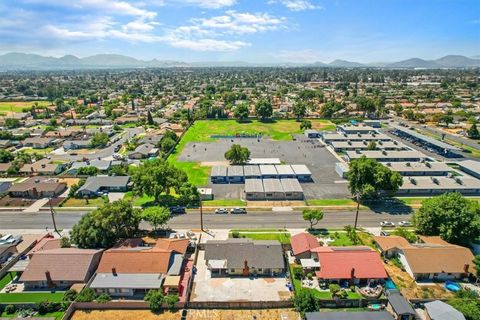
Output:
(268, 171)
(285, 171)
(273, 189)
(252, 172)
(302, 172)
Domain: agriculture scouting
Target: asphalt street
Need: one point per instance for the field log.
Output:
(256, 219)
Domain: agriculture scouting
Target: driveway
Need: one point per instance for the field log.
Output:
(114, 196)
(37, 205)
(207, 288)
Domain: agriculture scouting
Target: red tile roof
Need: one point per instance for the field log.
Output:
(303, 242)
(341, 262)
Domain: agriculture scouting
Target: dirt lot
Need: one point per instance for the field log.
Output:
(270, 314)
(15, 202)
(410, 289)
(70, 181)
(124, 315)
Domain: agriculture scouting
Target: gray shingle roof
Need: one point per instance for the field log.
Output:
(94, 184)
(258, 254)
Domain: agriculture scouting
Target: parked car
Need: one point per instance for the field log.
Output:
(238, 210)
(405, 224)
(387, 224)
(384, 233)
(221, 211)
(117, 148)
(177, 210)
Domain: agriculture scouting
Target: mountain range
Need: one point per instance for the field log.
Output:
(24, 61)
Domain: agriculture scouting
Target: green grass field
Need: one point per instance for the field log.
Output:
(30, 297)
(6, 279)
(20, 106)
(280, 236)
(94, 202)
(202, 130)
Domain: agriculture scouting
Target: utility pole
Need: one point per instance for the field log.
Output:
(356, 214)
(52, 212)
(201, 214)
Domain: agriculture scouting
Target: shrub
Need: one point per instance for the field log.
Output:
(235, 234)
(103, 298)
(155, 298)
(10, 309)
(43, 307)
(305, 301)
(309, 276)
(171, 300)
(86, 295)
(334, 288)
(298, 273)
(70, 295)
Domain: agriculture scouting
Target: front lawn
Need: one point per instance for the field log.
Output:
(6, 279)
(281, 236)
(31, 297)
(94, 202)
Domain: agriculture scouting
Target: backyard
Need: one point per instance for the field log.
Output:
(31, 297)
(202, 131)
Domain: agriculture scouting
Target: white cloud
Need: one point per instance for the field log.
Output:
(297, 5)
(205, 44)
(303, 55)
(210, 4)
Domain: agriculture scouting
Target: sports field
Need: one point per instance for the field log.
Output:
(20, 106)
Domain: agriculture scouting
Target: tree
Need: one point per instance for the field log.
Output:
(157, 177)
(155, 299)
(87, 171)
(171, 300)
(476, 262)
(263, 109)
(313, 216)
(99, 139)
(156, 216)
(470, 308)
(103, 227)
(167, 144)
(86, 295)
(305, 301)
(6, 156)
(11, 123)
(330, 108)
(103, 298)
(306, 124)
(150, 121)
(65, 242)
(241, 112)
(451, 216)
(70, 295)
(368, 179)
(372, 145)
(299, 109)
(237, 154)
(473, 132)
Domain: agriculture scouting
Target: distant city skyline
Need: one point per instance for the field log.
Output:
(260, 31)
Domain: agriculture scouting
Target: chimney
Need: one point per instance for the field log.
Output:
(466, 267)
(352, 273)
(114, 271)
(49, 279)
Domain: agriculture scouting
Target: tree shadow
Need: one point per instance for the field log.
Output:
(391, 206)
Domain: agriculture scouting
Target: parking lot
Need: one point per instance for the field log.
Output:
(207, 288)
(326, 183)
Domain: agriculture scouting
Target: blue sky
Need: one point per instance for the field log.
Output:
(246, 30)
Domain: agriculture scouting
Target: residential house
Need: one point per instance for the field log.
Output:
(37, 188)
(356, 265)
(101, 165)
(6, 251)
(389, 245)
(96, 186)
(4, 186)
(151, 138)
(399, 306)
(143, 151)
(439, 310)
(4, 167)
(302, 245)
(5, 144)
(244, 257)
(42, 167)
(60, 268)
(76, 144)
(38, 143)
(132, 268)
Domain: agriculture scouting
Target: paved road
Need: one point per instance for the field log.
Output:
(267, 219)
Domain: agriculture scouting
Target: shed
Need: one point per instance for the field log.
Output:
(292, 189)
(400, 306)
(235, 174)
(219, 174)
(254, 189)
(268, 171)
(273, 189)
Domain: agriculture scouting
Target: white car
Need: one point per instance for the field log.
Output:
(221, 211)
(405, 224)
(387, 224)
